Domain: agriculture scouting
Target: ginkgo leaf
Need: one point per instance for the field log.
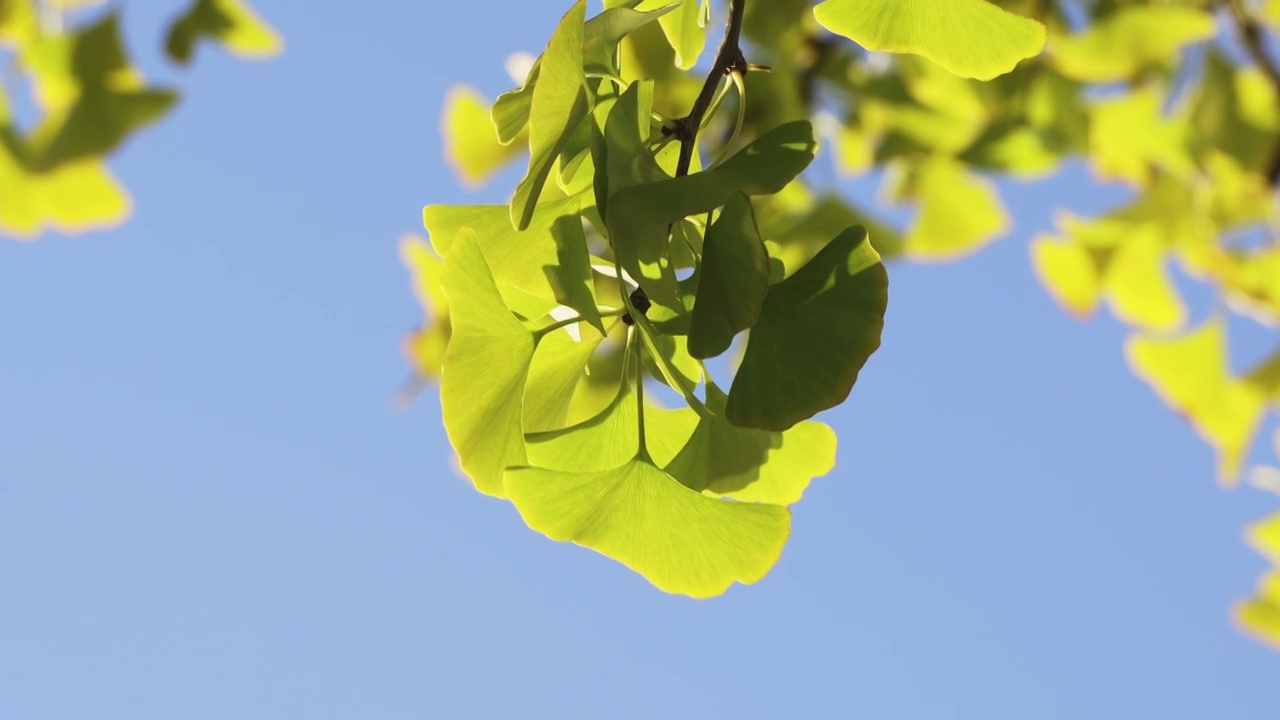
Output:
(604, 31)
(801, 236)
(971, 38)
(1191, 375)
(1131, 134)
(1264, 537)
(751, 465)
(74, 197)
(483, 377)
(685, 29)
(816, 330)
(98, 122)
(959, 212)
(470, 143)
(1120, 44)
(510, 112)
(762, 168)
(1069, 272)
(559, 364)
(600, 37)
(231, 23)
(1251, 282)
(732, 280)
(680, 540)
(548, 260)
(1138, 286)
(627, 159)
(559, 103)
(638, 216)
(426, 346)
(1019, 150)
(612, 437)
(1260, 616)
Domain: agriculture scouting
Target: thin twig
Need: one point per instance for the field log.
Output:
(729, 59)
(1253, 37)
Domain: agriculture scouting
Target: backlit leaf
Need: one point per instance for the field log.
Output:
(426, 346)
(1191, 375)
(549, 260)
(971, 38)
(1260, 617)
(732, 280)
(1069, 272)
(469, 139)
(612, 438)
(230, 23)
(752, 465)
(638, 216)
(559, 103)
(74, 197)
(816, 330)
(485, 368)
(684, 29)
(1133, 38)
(680, 540)
(559, 364)
(959, 212)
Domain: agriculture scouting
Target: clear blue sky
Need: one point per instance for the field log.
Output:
(208, 508)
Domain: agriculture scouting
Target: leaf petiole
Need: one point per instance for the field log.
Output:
(543, 332)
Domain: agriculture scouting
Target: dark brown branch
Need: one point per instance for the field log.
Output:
(729, 59)
(1253, 37)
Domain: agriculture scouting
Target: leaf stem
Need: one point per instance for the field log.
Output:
(672, 375)
(543, 332)
(642, 448)
(738, 81)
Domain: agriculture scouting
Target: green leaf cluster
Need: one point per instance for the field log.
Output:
(90, 100)
(1175, 103)
(610, 273)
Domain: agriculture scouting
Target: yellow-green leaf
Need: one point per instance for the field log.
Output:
(1191, 375)
(231, 23)
(426, 346)
(752, 465)
(685, 29)
(1131, 39)
(559, 103)
(960, 212)
(680, 540)
(484, 371)
(75, 197)
(971, 38)
(470, 142)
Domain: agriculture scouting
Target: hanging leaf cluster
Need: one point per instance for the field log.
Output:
(655, 228)
(1174, 103)
(88, 99)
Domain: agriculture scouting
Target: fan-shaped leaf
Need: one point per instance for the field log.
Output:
(732, 280)
(816, 330)
(680, 540)
(560, 102)
(971, 38)
(485, 368)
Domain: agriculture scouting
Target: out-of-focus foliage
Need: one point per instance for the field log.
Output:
(1260, 615)
(87, 98)
(1174, 103)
